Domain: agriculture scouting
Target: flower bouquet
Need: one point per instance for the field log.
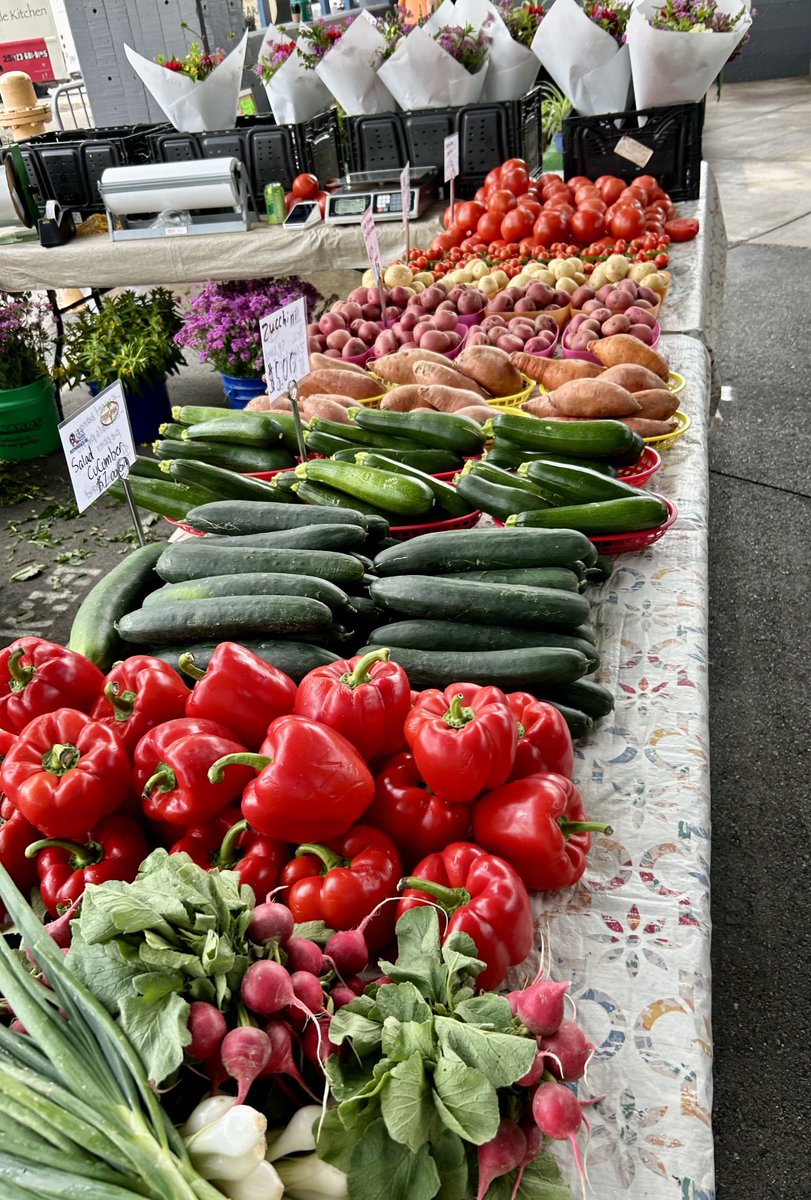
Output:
(678, 47)
(199, 92)
(349, 65)
(293, 89)
(583, 49)
(513, 67)
(436, 68)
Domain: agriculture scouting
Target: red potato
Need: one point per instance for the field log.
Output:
(539, 344)
(619, 323)
(338, 339)
(594, 399)
(510, 343)
(643, 332)
(353, 348)
(445, 320)
(492, 322)
(386, 342)
(316, 343)
(435, 339)
(476, 338)
(371, 312)
(358, 295)
(640, 316)
(471, 301)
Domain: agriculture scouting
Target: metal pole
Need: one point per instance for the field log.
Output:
(453, 198)
(123, 472)
(292, 392)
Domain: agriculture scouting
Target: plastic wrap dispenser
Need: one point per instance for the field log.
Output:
(205, 196)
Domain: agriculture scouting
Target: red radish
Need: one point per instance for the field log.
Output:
(567, 1051)
(60, 928)
(281, 1061)
(534, 1139)
(245, 1053)
(303, 955)
(315, 1041)
(341, 995)
(348, 951)
(534, 1073)
(18, 1027)
(266, 989)
(356, 984)
(540, 1005)
(271, 923)
(500, 1155)
(207, 1027)
(557, 1115)
(307, 989)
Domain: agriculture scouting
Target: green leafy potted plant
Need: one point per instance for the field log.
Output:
(28, 418)
(554, 108)
(131, 337)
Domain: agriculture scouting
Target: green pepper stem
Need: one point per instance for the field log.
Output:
(60, 758)
(328, 857)
(164, 780)
(244, 759)
(20, 676)
(123, 702)
(448, 898)
(457, 715)
(570, 827)
(189, 667)
(80, 856)
(361, 674)
(225, 855)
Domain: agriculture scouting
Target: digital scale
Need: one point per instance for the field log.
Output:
(380, 191)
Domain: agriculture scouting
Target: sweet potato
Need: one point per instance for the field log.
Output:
(320, 362)
(553, 372)
(656, 404)
(399, 367)
(345, 383)
(594, 399)
(404, 398)
(542, 406)
(625, 348)
(329, 408)
(448, 399)
(477, 412)
(259, 403)
(648, 428)
(280, 404)
(447, 376)
(491, 369)
(632, 377)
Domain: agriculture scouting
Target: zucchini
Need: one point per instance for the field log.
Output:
(241, 429)
(442, 431)
(496, 499)
(226, 618)
(236, 517)
(296, 659)
(484, 550)
(317, 495)
(287, 425)
(195, 560)
(327, 444)
(564, 484)
(482, 469)
(506, 454)
(550, 577)
(193, 414)
(302, 537)
(354, 433)
(445, 496)
(432, 462)
(480, 603)
(146, 468)
(456, 635)
(643, 511)
(393, 493)
(93, 632)
(579, 724)
(284, 483)
(508, 669)
(219, 454)
(591, 698)
(169, 429)
(224, 484)
(162, 496)
(258, 584)
(580, 439)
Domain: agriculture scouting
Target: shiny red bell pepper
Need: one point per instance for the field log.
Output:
(463, 740)
(171, 771)
(114, 850)
(138, 694)
(228, 842)
(65, 772)
(240, 691)
(544, 740)
(7, 740)
(37, 677)
(342, 882)
(367, 699)
(539, 825)
(484, 897)
(312, 782)
(415, 819)
(16, 834)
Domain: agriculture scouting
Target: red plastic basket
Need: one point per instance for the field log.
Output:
(185, 528)
(404, 533)
(625, 543)
(638, 475)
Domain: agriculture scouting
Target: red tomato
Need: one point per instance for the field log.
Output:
(585, 192)
(501, 201)
(518, 224)
(515, 179)
(290, 198)
(446, 217)
(442, 243)
(647, 182)
(627, 222)
(511, 164)
(683, 229)
(480, 195)
(468, 215)
(594, 203)
(560, 202)
(321, 197)
(550, 225)
(305, 187)
(660, 261)
(531, 194)
(493, 178)
(472, 242)
(533, 206)
(610, 188)
(578, 181)
(586, 225)
(489, 226)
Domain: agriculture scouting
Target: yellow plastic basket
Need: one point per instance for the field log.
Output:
(664, 440)
(676, 382)
(508, 403)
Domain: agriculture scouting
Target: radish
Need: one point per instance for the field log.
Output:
(245, 1053)
(281, 1061)
(271, 923)
(540, 1005)
(207, 1027)
(356, 984)
(341, 995)
(567, 1051)
(307, 989)
(500, 1155)
(303, 955)
(267, 988)
(348, 951)
(534, 1139)
(557, 1115)
(534, 1073)
(315, 1041)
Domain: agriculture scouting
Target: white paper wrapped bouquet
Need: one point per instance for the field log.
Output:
(435, 62)
(198, 92)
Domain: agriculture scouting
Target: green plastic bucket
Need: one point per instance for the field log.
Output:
(28, 421)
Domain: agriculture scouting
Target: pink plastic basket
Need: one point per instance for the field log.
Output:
(643, 470)
(404, 533)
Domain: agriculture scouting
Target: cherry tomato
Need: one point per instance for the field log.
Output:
(682, 229)
(587, 225)
(305, 187)
(610, 188)
(420, 262)
(661, 261)
(527, 247)
(468, 214)
(489, 226)
(619, 247)
(627, 222)
(501, 201)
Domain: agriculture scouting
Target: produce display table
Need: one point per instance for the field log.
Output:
(634, 936)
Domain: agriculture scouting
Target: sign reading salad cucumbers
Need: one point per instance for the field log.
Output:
(285, 346)
(98, 445)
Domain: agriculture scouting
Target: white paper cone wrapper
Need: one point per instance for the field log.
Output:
(669, 67)
(442, 16)
(585, 62)
(192, 106)
(349, 70)
(294, 93)
(420, 74)
(513, 68)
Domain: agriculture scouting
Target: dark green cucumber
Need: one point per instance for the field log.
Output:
(239, 517)
(195, 560)
(238, 429)
(228, 618)
(432, 462)
(170, 429)
(225, 484)
(601, 570)
(258, 584)
(580, 439)
(302, 537)
(146, 468)
(326, 443)
(510, 670)
(496, 499)
(235, 458)
(480, 603)
(505, 454)
(392, 493)
(317, 495)
(442, 431)
(93, 632)
(564, 484)
(163, 496)
(296, 659)
(643, 511)
(354, 433)
(484, 550)
(588, 632)
(554, 577)
(457, 635)
(445, 496)
(590, 697)
(579, 724)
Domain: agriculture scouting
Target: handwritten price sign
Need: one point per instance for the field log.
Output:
(369, 231)
(285, 347)
(98, 445)
(451, 157)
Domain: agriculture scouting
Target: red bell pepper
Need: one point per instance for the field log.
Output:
(240, 691)
(16, 834)
(312, 782)
(7, 740)
(544, 741)
(484, 897)
(463, 740)
(171, 771)
(416, 820)
(114, 850)
(342, 882)
(37, 677)
(539, 825)
(66, 772)
(138, 694)
(228, 842)
(367, 699)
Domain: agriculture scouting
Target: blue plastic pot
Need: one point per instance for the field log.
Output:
(148, 408)
(239, 392)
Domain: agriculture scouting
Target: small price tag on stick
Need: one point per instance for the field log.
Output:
(369, 231)
(405, 200)
(452, 166)
(635, 152)
(285, 346)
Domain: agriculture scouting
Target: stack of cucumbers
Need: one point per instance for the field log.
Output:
(242, 441)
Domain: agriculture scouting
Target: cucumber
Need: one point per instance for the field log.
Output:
(327, 444)
(354, 433)
(302, 537)
(601, 570)
(393, 493)
(195, 560)
(442, 431)
(241, 429)
(219, 454)
(496, 499)
(505, 454)
(146, 468)
(480, 603)
(162, 496)
(591, 698)
(258, 584)
(432, 462)
(564, 484)
(643, 511)
(587, 632)
(296, 659)
(456, 635)
(445, 496)
(226, 618)
(225, 484)
(550, 577)
(580, 439)
(317, 495)
(510, 670)
(579, 724)
(93, 632)
(169, 429)
(484, 550)
(236, 517)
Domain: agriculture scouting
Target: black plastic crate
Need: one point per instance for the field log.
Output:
(672, 133)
